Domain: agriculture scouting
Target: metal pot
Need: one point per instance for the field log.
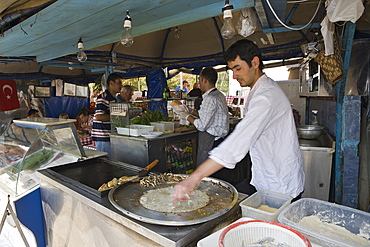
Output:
(309, 131)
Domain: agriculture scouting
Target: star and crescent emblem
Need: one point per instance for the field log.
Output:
(8, 96)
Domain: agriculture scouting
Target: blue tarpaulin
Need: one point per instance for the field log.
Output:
(70, 105)
(156, 82)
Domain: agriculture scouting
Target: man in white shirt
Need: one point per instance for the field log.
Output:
(267, 131)
(213, 118)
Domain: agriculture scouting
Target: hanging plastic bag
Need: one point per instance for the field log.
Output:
(344, 10)
(327, 31)
(246, 23)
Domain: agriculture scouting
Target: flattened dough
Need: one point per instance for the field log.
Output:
(315, 223)
(160, 200)
(267, 209)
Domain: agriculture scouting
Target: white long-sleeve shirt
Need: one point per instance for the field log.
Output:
(213, 114)
(268, 132)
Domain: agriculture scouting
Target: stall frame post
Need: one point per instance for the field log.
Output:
(342, 160)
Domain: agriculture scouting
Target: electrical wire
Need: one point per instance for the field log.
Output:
(298, 1)
(292, 28)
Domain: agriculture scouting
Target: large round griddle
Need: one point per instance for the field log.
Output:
(222, 195)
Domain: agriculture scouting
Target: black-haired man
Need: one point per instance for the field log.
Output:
(267, 131)
(101, 125)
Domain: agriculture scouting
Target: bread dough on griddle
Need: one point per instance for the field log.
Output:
(160, 200)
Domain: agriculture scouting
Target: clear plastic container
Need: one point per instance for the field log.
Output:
(250, 206)
(135, 130)
(355, 221)
(166, 127)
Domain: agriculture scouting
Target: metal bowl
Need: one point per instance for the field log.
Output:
(309, 131)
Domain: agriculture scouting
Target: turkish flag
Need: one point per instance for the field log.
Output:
(8, 95)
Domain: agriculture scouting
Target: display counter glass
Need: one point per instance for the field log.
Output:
(35, 143)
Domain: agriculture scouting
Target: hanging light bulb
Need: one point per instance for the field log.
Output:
(126, 38)
(81, 55)
(177, 34)
(70, 68)
(227, 30)
(114, 57)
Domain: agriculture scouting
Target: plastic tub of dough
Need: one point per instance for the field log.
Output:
(328, 224)
(166, 127)
(265, 205)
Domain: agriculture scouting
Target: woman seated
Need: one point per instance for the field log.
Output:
(82, 123)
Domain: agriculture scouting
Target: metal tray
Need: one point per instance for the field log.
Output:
(89, 175)
(223, 196)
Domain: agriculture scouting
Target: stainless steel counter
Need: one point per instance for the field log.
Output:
(75, 217)
(140, 151)
(317, 157)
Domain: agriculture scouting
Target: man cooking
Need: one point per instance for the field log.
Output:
(101, 125)
(267, 131)
(213, 118)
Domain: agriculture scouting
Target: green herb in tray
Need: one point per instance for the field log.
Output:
(149, 117)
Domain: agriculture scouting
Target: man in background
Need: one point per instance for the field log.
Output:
(196, 92)
(184, 87)
(126, 94)
(101, 125)
(212, 118)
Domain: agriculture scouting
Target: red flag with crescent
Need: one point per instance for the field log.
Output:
(8, 95)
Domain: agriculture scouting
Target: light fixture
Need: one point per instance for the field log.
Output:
(114, 57)
(177, 34)
(126, 37)
(70, 68)
(227, 30)
(81, 55)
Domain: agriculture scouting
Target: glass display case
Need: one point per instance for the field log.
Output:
(35, 143)
(120, 115)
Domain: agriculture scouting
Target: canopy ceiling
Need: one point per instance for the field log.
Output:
(39, 38)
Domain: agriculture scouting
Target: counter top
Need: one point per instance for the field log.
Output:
(163, 235)
(163, 136)
(325, 141)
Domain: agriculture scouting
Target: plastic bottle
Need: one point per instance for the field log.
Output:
(314, 120)
(168, 92)
(165, 94)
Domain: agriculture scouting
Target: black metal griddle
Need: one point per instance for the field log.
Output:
(89, 175)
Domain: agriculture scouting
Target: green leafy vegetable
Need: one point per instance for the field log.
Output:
(149, 117)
